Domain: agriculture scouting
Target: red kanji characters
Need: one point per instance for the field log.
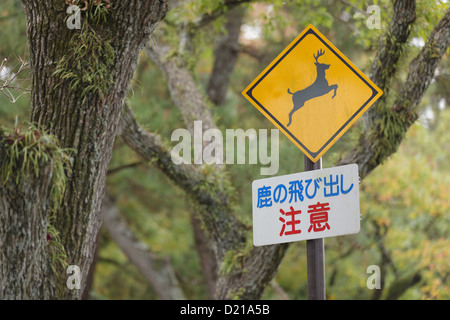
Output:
(292, 223)
(318, 216)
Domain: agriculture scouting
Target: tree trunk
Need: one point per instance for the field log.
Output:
(79, 81)
(24, 260)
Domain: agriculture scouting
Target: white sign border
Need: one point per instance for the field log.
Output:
(344, 214)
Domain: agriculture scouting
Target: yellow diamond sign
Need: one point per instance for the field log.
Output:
(312, 93)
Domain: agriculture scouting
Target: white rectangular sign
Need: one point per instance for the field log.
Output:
(307, 205)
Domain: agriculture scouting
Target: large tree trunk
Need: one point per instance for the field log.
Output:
(82, 114)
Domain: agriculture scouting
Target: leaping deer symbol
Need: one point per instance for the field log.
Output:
(318, 88)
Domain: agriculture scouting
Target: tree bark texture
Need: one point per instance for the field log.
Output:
(24, 263)
(83, 119)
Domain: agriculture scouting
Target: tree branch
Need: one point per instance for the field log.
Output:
(8, 79)
(208, 18)
(226, 54)
(391, 47)
(189, 178)
(388, 125)
(213, 208)
(182, 87)
(422, 68)
(150, 147)
(357, 9)
(252, 52)
(206, 189)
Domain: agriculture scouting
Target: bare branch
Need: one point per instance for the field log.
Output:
(188, 177)
(359, 10)
(10, 81)
(125, 166)
(252, 52)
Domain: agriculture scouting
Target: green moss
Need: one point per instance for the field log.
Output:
(388, 131)
(234, 259)
(87, 66)
(237, 294)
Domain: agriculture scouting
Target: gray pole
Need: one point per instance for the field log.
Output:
(315, 254)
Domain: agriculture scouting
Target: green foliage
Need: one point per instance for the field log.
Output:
(428, 13)
(235, 259)
(405, 215)
(408, 197)
(12, 29)
(26, 151)
(191, 10)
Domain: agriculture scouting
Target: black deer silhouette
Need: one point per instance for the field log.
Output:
(318, 88)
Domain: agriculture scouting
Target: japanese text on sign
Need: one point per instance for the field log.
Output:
(307, 205)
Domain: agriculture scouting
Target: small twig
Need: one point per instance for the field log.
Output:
(279, 290)
(355, 7)
(126, 166)
(252, 52)
(8, 81)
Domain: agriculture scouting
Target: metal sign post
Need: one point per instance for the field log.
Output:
(315, 254)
